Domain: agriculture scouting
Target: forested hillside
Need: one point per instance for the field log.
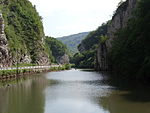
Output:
(130, 52)
(73, 41)
(24, 32)
(57, 50)
(85, 58)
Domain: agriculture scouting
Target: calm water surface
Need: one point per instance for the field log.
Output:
(73, 91)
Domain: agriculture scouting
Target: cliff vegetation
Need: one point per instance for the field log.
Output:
(24, 32)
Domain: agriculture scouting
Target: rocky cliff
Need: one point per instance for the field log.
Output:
(119, 21)
(64, 59)
(21, 34)
(4, 52)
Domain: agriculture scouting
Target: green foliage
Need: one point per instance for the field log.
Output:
(86, 58)
(76, 59)
(130, 54)
(73, 41)
(62, 67)
(93, 38)
(103, 39)
(23, 28)
(67, 66)
(56, 48)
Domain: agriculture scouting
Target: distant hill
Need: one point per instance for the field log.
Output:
(72, 41)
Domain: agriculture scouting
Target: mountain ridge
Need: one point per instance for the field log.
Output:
(72, 41)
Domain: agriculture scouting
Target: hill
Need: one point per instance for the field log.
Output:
(58, 50)
(21, 33)
(73, 41)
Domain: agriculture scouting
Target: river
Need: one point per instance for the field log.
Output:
(71, 91)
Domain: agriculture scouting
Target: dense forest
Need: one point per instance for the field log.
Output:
(85, 58)
(56, 49)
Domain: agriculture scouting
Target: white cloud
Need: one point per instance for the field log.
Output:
(63, 17)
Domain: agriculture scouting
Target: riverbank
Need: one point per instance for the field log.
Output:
(10, 75)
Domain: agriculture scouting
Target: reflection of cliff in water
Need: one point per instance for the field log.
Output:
(133, 99)
(25, 97)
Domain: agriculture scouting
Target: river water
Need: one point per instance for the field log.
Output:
(71, 91)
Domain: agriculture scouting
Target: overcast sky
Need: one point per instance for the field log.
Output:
(65, 17)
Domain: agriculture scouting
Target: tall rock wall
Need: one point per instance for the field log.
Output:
(63, 59)
(119, 21)
(22, 38)
(4, 52)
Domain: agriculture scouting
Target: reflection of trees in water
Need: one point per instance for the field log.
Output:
(3, 100)
(26, 96)
(133, 99)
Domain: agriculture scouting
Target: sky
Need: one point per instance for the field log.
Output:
(66, 17)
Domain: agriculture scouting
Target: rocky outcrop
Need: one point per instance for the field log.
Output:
(43, 59)
(6, 57)
(63, 59)
(23, 40)
(101, 59)
(4, 52)
(119, 21)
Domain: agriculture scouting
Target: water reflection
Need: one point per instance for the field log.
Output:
(73, 91)
(116, 103)
(24, 97)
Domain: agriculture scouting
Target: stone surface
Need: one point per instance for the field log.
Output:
(63, 59)
(119, 21)
(101, 59)
(43, 59)
(4, 52)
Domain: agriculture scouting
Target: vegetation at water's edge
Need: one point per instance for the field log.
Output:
(63, 67)
(130, 54)
(24, 71)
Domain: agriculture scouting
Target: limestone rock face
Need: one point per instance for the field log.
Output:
(101, 60)
(4, 52)
(119, 21)
(7, 59)
(43, 59)
(63, 59)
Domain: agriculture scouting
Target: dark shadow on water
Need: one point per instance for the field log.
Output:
(137, 92)
(87, 70)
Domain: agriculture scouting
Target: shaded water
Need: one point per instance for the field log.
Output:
(73, 91)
